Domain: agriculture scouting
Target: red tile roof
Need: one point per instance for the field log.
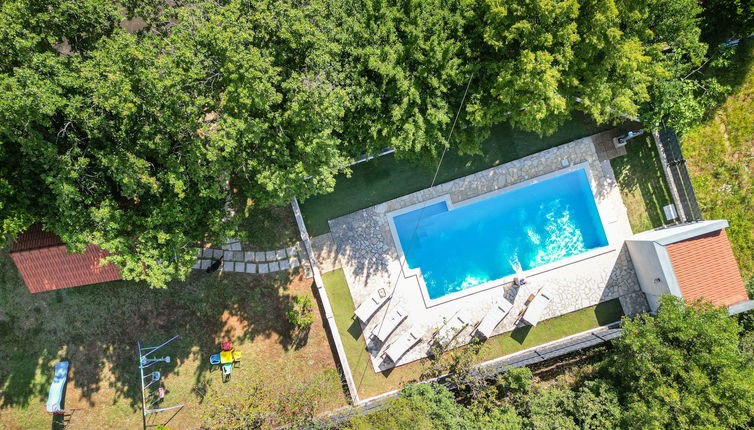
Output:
(706, 268)
(34, 238)
(45, 264)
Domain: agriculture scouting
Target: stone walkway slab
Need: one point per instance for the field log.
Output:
(238, 260)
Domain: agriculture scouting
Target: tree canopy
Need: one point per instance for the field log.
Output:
(134, 142)
(542, 59)
(683, 369)
(140, 141)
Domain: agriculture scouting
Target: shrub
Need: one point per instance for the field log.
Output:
(300, 313)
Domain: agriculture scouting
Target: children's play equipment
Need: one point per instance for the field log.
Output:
(150, 397)
(57, 389)
(227, 359)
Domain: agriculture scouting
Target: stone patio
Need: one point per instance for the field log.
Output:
(362, 244)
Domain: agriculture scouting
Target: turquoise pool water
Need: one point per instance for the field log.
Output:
(501, 235)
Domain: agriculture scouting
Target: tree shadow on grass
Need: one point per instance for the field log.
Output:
(733, 75)
(96, 328)
(641, 170)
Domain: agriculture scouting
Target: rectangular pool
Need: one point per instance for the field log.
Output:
(465, 246)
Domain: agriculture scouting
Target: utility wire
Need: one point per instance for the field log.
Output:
(402, 260)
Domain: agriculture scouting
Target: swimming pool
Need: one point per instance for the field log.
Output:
(468, 245)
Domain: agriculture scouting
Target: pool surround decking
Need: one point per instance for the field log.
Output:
(408, 271)
(362, 244)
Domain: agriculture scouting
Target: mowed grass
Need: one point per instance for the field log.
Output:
(642, 184)
(369, 383)
(389, 177)
(720, 159)
(96, 327)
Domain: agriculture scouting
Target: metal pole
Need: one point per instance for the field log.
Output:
(142, 359)
(155, 348)
(141, 379)
(165, 409)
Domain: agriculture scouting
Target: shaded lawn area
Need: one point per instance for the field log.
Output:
(720, 160)
(642, 184)
(268, 228)
(388, 177)
(96, 327)
(264, 228)
(370, 384)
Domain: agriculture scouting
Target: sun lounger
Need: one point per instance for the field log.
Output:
(493, 318)
(401, 346)
(391, 321)
(533, 313)
(370, 305)
(57, 388)
(450, 330)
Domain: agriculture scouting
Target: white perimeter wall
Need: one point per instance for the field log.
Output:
(651, 259)
(644, 255)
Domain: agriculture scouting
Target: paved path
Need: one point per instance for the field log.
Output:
(235, 259)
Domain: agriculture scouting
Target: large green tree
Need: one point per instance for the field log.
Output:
(135, 142)
(542, 59)
(140, 142)
(683, 369)
(406, 64)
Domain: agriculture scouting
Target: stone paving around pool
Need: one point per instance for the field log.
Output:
(361, 243)
(235, 259)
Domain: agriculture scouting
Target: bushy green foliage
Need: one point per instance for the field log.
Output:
(134, 140)
(426, 406)
(300, 312)
(541, 59)
(433, 406)
(592, 406)
(400, 414)
(727, 19)
(683, 369)
(514, 386)
(139, 143)
(269, 400)
(406, 64)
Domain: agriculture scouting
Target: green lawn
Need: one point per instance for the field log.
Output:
(720, 159)
(388, 177)
(642, 184)
(370, 384)
(96, 327)
(265, 229)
